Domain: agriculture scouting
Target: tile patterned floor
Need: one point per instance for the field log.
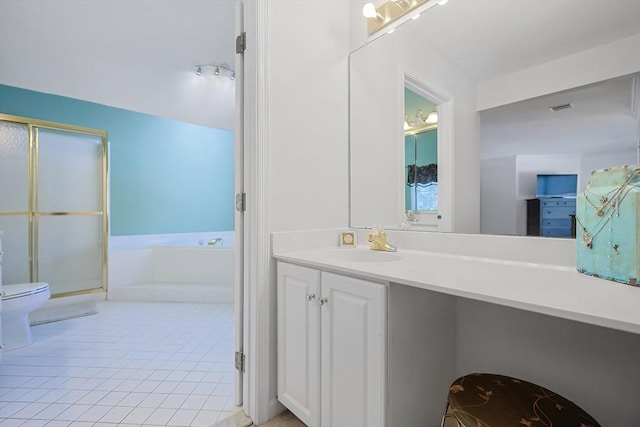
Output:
(132, 364)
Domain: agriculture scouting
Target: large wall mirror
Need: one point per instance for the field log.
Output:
(479, 166)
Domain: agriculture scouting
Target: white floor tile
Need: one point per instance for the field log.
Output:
(205, 418)
(73, 396)
(92, 397)
(30, 410)
(153, 400)
(204, 388)
(132, 399)
(12, 422)
(73, 412)
(52, 411)
(94, 413)
(160, 416)
(113, 398)
(14, 395)
(116, 414)
(138, 416)
(132, 363)
(57, 423)
(194, 401)
(34, 423)
(174, 401)
(147, 386)
(53, 396)
(183, 417)
(185, 388)
(215, 403)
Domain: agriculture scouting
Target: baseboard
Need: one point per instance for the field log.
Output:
(174, 292)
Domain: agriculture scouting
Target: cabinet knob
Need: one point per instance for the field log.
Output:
(323, 301)
(311, 297)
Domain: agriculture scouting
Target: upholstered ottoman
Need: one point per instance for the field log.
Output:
(490, 400)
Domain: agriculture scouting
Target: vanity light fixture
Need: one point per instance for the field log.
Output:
(420, 122)
(218, 70)
(432, 118)
(379, 17)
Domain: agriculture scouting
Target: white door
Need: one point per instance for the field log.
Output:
(353, 357)
(298, 341)
(238, 285)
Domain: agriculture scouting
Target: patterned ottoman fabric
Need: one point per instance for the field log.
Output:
(489, 400)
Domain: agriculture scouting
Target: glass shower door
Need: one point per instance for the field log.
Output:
(14, 201)
(69, 211)
(53, 204)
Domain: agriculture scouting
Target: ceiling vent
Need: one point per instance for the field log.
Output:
(561, 107)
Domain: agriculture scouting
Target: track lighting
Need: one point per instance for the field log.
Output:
(218, 70)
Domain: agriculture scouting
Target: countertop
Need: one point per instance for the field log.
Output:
(542, 288)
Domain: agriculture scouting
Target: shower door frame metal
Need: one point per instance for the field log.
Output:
(33, 214)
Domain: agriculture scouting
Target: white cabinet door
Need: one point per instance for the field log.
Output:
(353, 361)
(298, 341)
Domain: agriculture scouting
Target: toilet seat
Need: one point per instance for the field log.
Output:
(23, 289)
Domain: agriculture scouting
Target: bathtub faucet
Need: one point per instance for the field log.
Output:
(214, 242)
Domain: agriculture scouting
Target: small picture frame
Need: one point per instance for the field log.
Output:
(348, 239)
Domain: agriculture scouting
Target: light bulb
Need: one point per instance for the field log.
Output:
(432, 117)
(442, 2)
(369, 11)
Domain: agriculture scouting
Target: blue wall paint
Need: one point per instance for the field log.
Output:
(166, 176)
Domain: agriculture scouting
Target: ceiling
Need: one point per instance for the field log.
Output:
(491, 38)
(602, 119)
(140, 54)
(136, 54)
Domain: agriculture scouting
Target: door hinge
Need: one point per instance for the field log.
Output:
(241, 202)
(241, 42)
(240, 361)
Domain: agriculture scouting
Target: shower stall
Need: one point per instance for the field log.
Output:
(53, 205)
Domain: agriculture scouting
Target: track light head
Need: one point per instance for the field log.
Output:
(222, 69)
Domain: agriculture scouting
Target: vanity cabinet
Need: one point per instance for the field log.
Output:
(331, 347)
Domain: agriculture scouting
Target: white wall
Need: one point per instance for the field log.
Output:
(595, 161)
(498, 196)
(308, 115)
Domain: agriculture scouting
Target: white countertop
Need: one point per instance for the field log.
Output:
(553, 290)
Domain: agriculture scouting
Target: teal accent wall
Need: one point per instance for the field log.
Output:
(166, 176)
(414, 102)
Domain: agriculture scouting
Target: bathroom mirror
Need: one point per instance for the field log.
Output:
(488, 157)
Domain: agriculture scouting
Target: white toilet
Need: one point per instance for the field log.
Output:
(17, 302)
